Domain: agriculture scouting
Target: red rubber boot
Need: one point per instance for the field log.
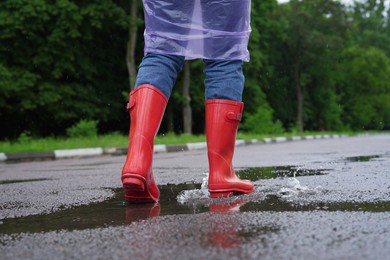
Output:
(146, 107)
(222, 119)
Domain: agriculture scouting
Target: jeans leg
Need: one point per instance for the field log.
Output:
(159, 71)
(224, 79)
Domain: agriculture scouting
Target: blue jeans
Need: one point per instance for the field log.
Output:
(224, 78)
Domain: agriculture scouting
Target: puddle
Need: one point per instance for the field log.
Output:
(364, 158)
(112, 212)
(276, 203)
(188, 199)
(21, 181)
(115, 212)
(258, 173)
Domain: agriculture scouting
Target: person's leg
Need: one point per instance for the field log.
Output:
(224, 86)
(159, 71)
(146, 107)
(224, 79)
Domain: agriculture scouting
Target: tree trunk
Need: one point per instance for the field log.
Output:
(187, 111)
(131, 44)
(300, 97)
(169, 118)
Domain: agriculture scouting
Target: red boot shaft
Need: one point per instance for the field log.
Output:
(222, 119)
(146, 107)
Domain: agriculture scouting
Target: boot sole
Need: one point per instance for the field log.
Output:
(136, 191)
(228, 193)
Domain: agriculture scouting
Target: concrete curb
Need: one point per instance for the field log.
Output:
(99, 151)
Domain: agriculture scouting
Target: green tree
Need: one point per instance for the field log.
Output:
(365, 88)
(314, 36)
(370, 25)
(62, 63)
(266, 29)
(363, 83)
(134, 24)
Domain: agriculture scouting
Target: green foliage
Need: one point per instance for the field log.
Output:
(365, 99)
(259, 71)
(57, 63)
(64, 60)
(84, 128)
(303, 93)
(24, 138)
(261, 122)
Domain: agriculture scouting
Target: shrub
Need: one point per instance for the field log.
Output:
(84, 128)
(261, 122)
(24, 137)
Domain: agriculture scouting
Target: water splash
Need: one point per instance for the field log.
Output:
(188, 196)
(292, 188)
(295, 188)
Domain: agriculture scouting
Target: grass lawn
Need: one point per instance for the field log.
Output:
(116, 140)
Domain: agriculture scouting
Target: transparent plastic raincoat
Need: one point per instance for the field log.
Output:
(209, 29)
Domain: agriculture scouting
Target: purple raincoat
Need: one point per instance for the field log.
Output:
(209, 29)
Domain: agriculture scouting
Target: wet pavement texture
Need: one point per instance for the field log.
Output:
(323, 199)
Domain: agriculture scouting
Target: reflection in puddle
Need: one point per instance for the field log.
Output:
(226, 231)
(137, 212)
(223, 233)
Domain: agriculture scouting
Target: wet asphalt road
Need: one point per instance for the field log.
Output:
(73, 208)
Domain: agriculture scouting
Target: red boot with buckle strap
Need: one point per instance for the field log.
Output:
(222, 119)
(146, 108)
